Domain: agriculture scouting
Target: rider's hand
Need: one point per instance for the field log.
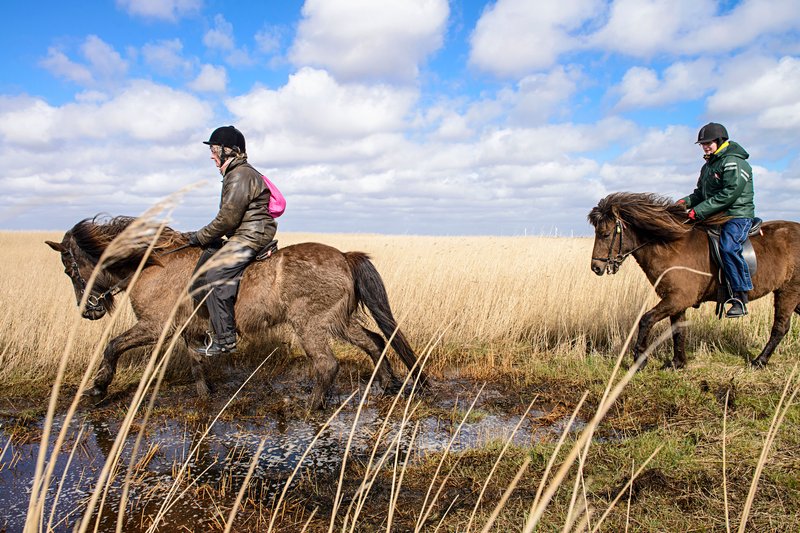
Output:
(681, 202)
(193, 240)
(692, 215)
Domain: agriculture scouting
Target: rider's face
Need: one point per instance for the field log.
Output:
(216, 152)
(709, 147)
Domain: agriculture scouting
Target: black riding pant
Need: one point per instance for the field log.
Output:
(221, 283)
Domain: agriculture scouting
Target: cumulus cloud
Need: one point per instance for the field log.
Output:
(518, 37)
(166, 57)
(103, 63)
(366, 40)
(160, 9)
(644, 28)
(769, 86)
(142, 111)
(314, 104)
(220, 37)
(268, 39)
(58, 64)
(641, 86)
(211, 79)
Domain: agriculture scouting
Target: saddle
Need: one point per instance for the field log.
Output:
(724, 292)
(267, 251)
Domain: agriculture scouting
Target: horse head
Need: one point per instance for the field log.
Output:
(81, 250)
(625, 222)
(78, 266)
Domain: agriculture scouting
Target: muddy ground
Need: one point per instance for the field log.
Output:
(685, 479)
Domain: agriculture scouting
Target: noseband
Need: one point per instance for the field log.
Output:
(93, 303)
(613, 262)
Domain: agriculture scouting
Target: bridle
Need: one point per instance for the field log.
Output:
(613, 262)
(95, 303)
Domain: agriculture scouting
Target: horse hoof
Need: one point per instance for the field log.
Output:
(672, 365)
(94, 393)
(758, 363)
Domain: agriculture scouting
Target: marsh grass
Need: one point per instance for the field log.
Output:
(670, 444)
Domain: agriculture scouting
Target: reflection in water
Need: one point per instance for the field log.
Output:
(221, 461)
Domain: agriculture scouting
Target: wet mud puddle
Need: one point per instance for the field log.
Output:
(216, 460)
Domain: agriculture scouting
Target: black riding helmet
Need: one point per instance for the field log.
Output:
(227, 136)
(712, 132)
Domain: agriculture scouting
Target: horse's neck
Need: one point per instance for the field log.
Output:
(690, 250)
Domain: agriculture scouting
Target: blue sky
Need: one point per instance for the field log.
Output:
(394, 116)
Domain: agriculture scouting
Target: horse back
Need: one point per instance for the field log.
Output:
(778, 252)
(296, 283)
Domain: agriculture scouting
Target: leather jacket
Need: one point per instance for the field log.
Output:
(243, 214)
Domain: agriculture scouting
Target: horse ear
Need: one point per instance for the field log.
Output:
(57, 246)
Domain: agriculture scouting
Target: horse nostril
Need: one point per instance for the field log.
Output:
(597, 270)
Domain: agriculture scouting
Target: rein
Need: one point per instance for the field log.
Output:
(95, 302)
(614, 262)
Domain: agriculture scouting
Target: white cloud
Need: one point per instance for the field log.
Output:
(540, 96)
(644, 28)
(220, 37)
(367, 40)
(641, 28)
(313, 104)
(103, 63)
(744, 24)
(143, 111)
(160, 9)
(641, 87)
(211, 79)
(58, 64)
(166, 57)
(104, 60)
(517, 37)
(769, 88)
(268, 39)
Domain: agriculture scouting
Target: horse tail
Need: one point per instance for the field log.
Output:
(371, 292)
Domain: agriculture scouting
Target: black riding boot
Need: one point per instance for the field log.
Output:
(217, 346)
(738, 305)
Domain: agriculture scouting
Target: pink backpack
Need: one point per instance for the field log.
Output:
(277, 203)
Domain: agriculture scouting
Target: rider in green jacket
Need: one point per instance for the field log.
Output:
(726, 186)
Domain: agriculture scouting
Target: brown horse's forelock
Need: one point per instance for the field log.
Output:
(655, 217)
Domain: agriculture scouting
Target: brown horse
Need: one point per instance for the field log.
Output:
(653, 230)
(314, 288)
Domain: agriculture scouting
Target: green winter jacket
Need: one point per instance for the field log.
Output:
(725, 185)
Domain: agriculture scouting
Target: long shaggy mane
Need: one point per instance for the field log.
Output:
(654, 216)
(94, 236)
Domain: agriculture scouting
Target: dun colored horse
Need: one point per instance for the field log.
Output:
(314, 288)
(653, 230)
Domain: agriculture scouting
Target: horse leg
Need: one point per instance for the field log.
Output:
(662, 310)
(317, 347)
(784, 305)
(374, 345)
(198, 368)
(141, 334)
(678, 342)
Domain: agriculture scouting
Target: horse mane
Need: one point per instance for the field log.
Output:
(654, 216)
(94, 235)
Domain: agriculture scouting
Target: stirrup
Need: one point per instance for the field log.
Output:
(736, 304)
(214, 347)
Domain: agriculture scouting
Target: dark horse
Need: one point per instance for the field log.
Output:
(314, 288)
(653, 229)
